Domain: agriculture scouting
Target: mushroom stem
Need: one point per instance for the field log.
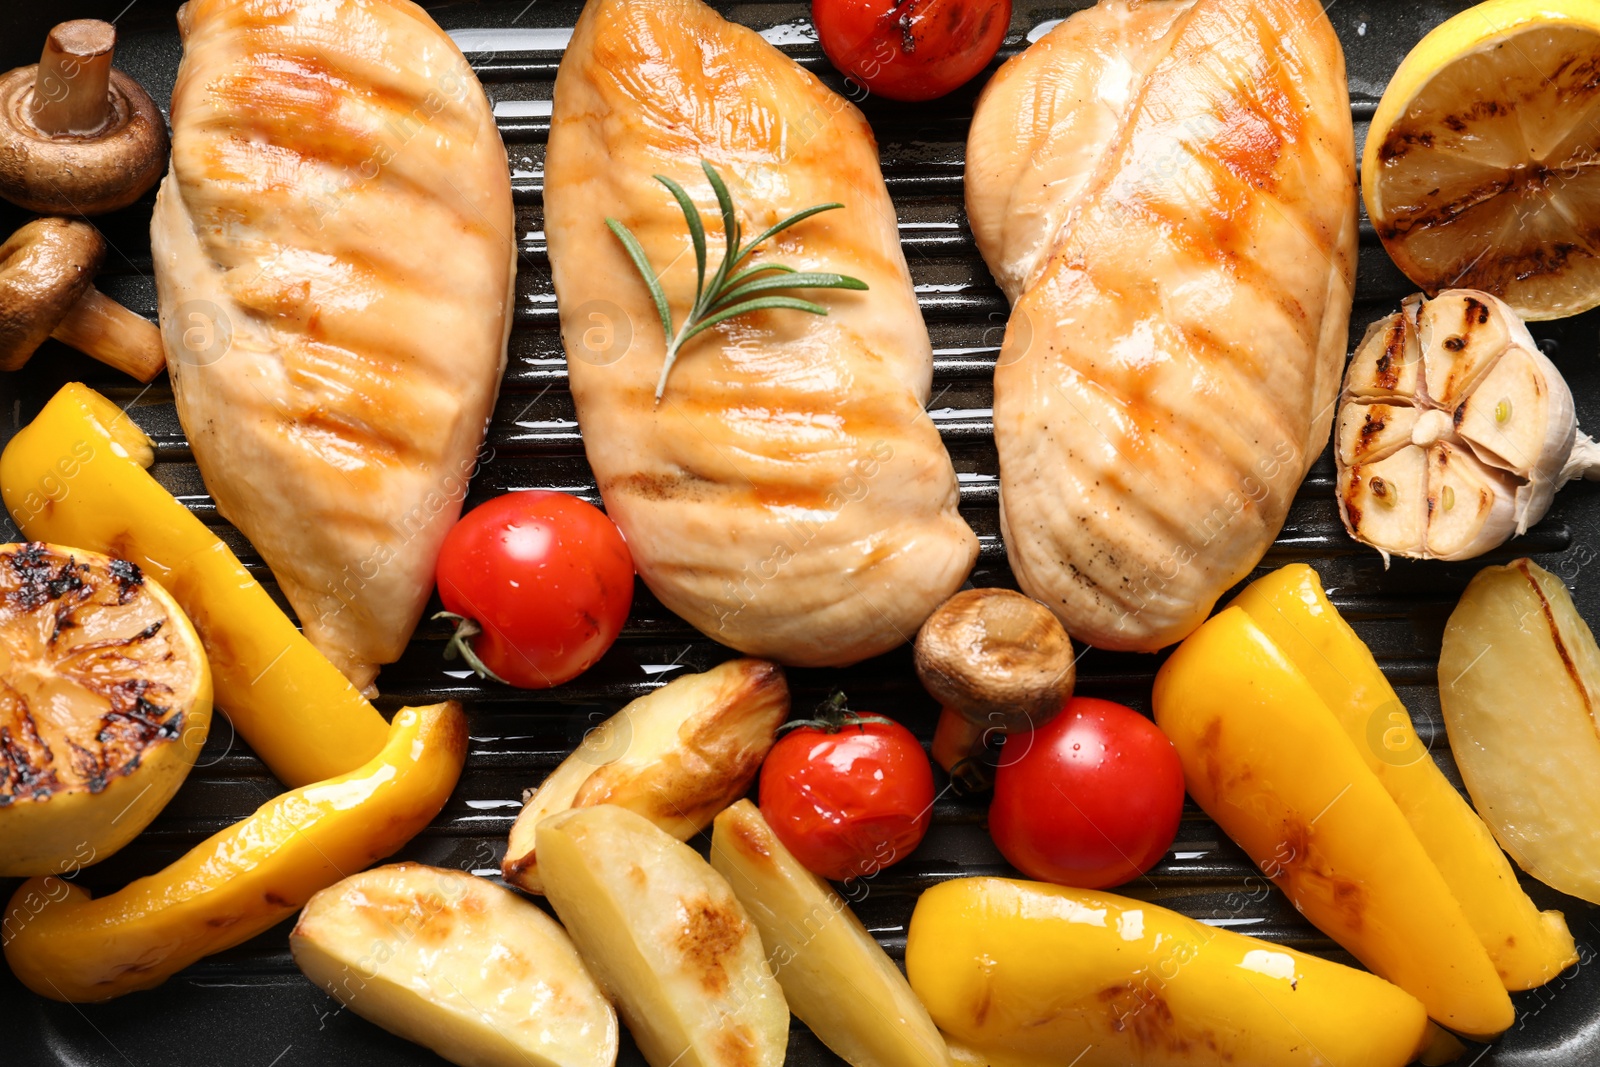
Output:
(997, 662)
(101, 327)
(72, 90)
(959, 746)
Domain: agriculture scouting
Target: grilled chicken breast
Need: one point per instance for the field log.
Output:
(1166, 191)
(334, 256)
(788, 495)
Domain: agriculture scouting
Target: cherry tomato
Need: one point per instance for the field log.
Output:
(1091, 799)
(848, 800)
(542, 583)
(911, 49)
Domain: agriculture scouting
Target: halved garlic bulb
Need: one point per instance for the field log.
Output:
(1454, 430)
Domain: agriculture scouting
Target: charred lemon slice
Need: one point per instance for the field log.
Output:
(105, 700)
(1482, 167)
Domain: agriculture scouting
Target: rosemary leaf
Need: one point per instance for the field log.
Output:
(697, 234)
(640, 260)
(750, 272)
(730, 231)
(760, 304)
(730, 292)
(733, 294)
(777, 228)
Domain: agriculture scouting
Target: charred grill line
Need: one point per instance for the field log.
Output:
(26, 779)
(40, 578)
(129, 578)
(140, 713)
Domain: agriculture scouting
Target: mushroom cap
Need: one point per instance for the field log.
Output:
(79, 175)
(45, 268)
(998, 658)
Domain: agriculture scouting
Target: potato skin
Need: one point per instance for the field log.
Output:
(426, 952)
(1519, 679)
(677, 756)
(835, 976)
(667, 938)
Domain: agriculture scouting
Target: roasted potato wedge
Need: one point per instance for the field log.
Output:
(450, 961)
(834, 975)
(677, 756)
(666, 937)
(1519, 684)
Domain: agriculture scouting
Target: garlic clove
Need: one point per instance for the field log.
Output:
(1492, 430)
(1462, 334)
(1521, 419)
(1470, 504)
(1387, 361)
(1431, 425)
(1533, 501)
(1385, 503)
(1369, 432)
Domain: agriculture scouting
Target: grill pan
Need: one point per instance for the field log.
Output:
(250, 1006)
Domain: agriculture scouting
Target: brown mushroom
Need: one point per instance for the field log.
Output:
(47, 272)
(76, 136)
(997, 661)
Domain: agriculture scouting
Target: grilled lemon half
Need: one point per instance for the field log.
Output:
(1482, 166)
(105, 700)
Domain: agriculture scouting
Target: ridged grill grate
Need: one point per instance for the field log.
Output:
(250, 1005)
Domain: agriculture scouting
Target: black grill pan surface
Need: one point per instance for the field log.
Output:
(251, 1007)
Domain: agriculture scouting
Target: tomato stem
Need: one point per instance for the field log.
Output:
(833, 715)
(460, 644)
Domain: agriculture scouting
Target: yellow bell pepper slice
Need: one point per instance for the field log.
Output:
(63, 944)
(1030, 975)
(1267, 760)
(1528, 947)
(75, 476)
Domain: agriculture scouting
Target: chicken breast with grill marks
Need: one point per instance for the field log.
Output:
(334, 258)
(1166, 191)
(789, 495)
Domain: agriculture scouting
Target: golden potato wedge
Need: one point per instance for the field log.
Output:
(677, 756)
(666, 937)
(835, 976)
(450, 961)
(1519, 685)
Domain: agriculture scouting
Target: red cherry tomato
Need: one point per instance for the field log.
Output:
(1091, 799)
(911, 49)
(542, 582)
(851, 800)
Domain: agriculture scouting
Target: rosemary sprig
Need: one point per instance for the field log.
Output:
(731, 292)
